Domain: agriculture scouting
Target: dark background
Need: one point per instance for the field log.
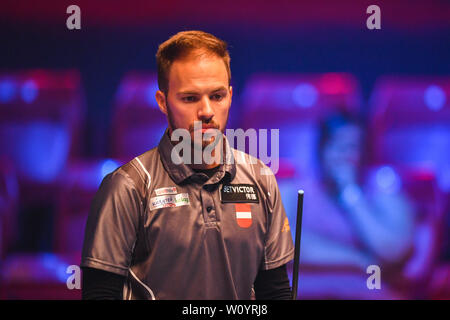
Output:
(274, 36)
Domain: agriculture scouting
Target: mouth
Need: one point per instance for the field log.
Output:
(206, 127)
(200, 131)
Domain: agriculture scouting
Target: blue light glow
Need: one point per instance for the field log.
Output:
(443, 178)
(305, 95)
(55, 266)
(434, 97)
(150, 93)
(351, 194)
(387, 179)
(41, 150)
(108, 166)
(7, 90)
(29, 91)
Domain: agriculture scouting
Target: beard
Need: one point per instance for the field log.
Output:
(196, 143)
(206, 148)
(200, 139)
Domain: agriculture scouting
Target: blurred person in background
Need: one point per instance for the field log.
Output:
(349, 225)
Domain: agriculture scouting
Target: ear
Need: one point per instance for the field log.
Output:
(161, 100)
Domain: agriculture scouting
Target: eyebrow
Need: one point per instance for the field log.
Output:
(221, 88)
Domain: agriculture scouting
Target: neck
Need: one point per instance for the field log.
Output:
(204, 166)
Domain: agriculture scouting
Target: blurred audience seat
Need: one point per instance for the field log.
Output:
(410, 124)
(137, 124)
(41, 127)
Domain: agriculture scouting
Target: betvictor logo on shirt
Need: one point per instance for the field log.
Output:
(239, 193)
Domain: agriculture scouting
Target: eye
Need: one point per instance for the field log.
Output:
(217, 97)
(189, 99)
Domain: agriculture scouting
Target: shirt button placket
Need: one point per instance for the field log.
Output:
(208, 206)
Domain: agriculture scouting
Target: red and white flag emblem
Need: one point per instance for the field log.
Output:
(243, 214)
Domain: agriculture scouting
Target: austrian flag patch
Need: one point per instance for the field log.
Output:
(243, 214)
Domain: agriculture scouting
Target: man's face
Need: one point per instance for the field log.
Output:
(341, 155)
(198, 91)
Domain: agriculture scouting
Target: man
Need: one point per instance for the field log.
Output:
(161, 229)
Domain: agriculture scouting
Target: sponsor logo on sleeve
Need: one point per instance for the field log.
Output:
(166, 190)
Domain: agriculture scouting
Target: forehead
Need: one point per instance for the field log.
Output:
(198, 71)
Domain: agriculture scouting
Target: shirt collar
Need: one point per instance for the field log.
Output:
(181, 172)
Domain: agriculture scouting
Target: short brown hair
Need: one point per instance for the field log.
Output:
(183, 43)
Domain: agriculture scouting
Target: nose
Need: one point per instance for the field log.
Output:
(205, 110)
